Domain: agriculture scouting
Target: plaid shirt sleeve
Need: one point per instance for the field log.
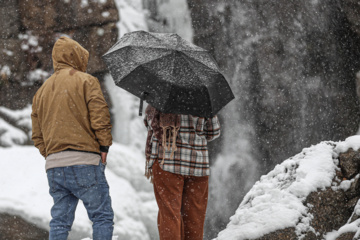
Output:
(212, 128)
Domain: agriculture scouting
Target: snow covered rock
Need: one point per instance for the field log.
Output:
(15, 126)
(313, 195)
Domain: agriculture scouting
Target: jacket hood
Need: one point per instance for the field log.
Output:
(69, 53)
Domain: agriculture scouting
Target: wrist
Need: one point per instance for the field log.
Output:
(104, 149)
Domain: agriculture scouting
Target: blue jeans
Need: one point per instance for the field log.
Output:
(87, 183)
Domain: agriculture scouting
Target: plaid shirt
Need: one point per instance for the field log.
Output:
(191, 157)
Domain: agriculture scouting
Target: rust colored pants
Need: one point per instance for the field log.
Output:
(182, 202)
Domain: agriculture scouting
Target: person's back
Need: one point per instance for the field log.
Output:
(69, 106)
(72, 130)
(177, 161)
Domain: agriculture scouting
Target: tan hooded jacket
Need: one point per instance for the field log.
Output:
(69, 110)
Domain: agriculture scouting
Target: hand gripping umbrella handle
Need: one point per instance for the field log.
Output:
(142, 98)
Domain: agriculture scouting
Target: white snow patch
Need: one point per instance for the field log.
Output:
(100, 32)
(105, 14)
(113, 238)
(21, 116)
(350, 142)
(30, 42)
(8, 52)
(10, 135)
(36, 75)
(84, 3)
(5, 71)
(33, 41)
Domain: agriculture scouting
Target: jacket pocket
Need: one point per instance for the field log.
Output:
(85, 175)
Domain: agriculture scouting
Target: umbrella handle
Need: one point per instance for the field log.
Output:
(142, 98)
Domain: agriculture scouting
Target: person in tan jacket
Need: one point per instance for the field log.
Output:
(72, 130)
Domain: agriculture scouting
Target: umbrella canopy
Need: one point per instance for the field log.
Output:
(170, 73)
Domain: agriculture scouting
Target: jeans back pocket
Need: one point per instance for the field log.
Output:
(85, 175)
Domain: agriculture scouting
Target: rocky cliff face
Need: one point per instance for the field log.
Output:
(30, 28)
(28, 31)
(292, 66)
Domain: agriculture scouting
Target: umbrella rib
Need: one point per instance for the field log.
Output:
(169, 48)
(187, 59)
(141, 65)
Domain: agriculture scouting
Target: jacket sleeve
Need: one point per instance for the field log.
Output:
(212, 128)
(98, 112)
(37, 136)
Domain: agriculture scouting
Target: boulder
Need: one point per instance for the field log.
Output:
(13, 227)
(333, 207)
(329, 209)
(350, 163)
(313, 195)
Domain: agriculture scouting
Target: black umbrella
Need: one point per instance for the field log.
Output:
(170, 73)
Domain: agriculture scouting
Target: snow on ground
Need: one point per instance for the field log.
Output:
(24, 192)
(276, 200)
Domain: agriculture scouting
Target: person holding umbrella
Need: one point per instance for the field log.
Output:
(177, 161)
(185, 90)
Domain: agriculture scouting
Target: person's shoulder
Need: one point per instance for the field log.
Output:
(87, 78)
